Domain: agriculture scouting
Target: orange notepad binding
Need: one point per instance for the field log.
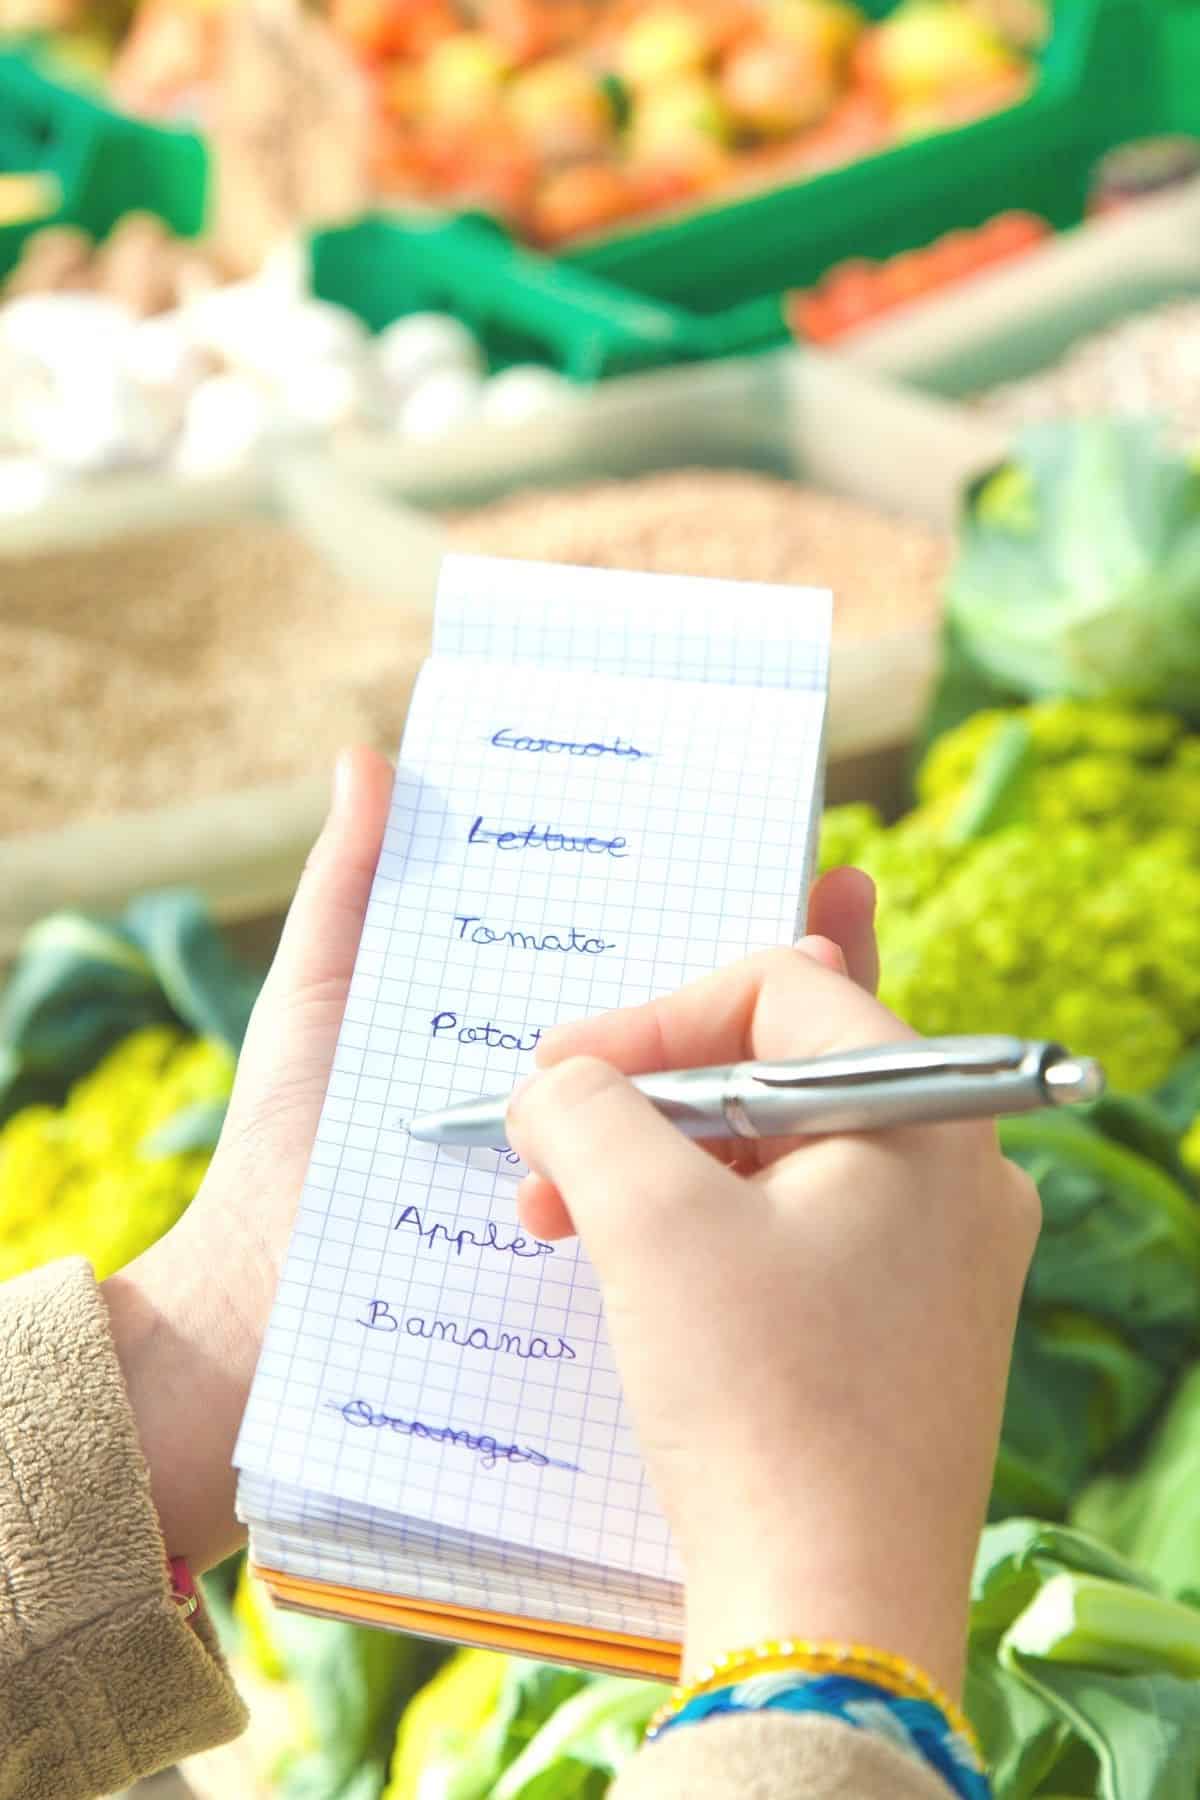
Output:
(610, 1652)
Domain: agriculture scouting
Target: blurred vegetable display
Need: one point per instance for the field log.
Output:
(569, 119)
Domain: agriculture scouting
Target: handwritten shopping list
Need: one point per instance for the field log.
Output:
(560, 842)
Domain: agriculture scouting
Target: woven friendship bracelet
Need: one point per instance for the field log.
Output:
(917, 1728)
(896, 1675)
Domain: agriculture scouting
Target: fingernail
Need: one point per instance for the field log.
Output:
(824, 951)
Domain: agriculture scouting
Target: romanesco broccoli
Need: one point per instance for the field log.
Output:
(76, 1181)
(1074, 913)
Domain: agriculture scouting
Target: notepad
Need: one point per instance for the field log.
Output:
(608, 786)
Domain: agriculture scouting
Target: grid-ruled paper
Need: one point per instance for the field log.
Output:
(560, 841)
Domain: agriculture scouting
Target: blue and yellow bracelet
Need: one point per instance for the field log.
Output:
(868, 1689)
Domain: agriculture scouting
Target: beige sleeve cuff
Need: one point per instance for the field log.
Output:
(775, 1756)
(101, 1680)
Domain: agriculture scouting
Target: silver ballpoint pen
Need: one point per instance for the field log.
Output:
(924, 1081)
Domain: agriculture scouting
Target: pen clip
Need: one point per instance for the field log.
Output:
(891, 1062)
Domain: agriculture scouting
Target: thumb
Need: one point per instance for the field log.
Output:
(293, 1032)
(324, 923)
(629, 1178)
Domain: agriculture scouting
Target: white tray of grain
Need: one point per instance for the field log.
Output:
(176, 695)
(183, 689)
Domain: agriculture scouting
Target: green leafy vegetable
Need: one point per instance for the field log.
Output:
(82, 984)
(202, 984)
(1152, 1514)
(1110, 1311)
(473, 1722)
(1074, 1674)
(1078, 574)
(584, 1743)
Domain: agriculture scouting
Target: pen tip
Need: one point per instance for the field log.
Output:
(1072, 1079)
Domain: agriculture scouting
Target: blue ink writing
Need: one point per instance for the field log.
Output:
(494, 1036)
(540, 837)
(380, 1317)
(479, 933)
(485, 1237)
(495, 1340)
(505, 739)
(508, 1156)
(363, 1416)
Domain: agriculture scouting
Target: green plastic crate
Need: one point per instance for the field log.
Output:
(105, 165)
(1113, 70)
(522, 307)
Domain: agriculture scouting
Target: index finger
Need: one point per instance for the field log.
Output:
(781, 1004)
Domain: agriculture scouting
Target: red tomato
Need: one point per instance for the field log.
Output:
(952, 258)
(811, 318)
(375, 28)
(851, 293)
(905, 278)
(658, 185)
(581, 199)
(856, 127)
(1011, 233)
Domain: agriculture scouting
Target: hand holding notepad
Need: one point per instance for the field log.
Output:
(607, 787)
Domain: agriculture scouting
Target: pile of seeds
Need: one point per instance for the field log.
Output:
(886, 574)
(187, 663)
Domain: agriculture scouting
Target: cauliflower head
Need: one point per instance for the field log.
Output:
(77, 1180)
(1074, 915)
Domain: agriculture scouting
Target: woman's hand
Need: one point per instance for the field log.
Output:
(814, 1339)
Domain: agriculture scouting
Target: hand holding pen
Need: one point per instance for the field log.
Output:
(813, 1334)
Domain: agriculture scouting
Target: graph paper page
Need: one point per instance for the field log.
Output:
(560, 842)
